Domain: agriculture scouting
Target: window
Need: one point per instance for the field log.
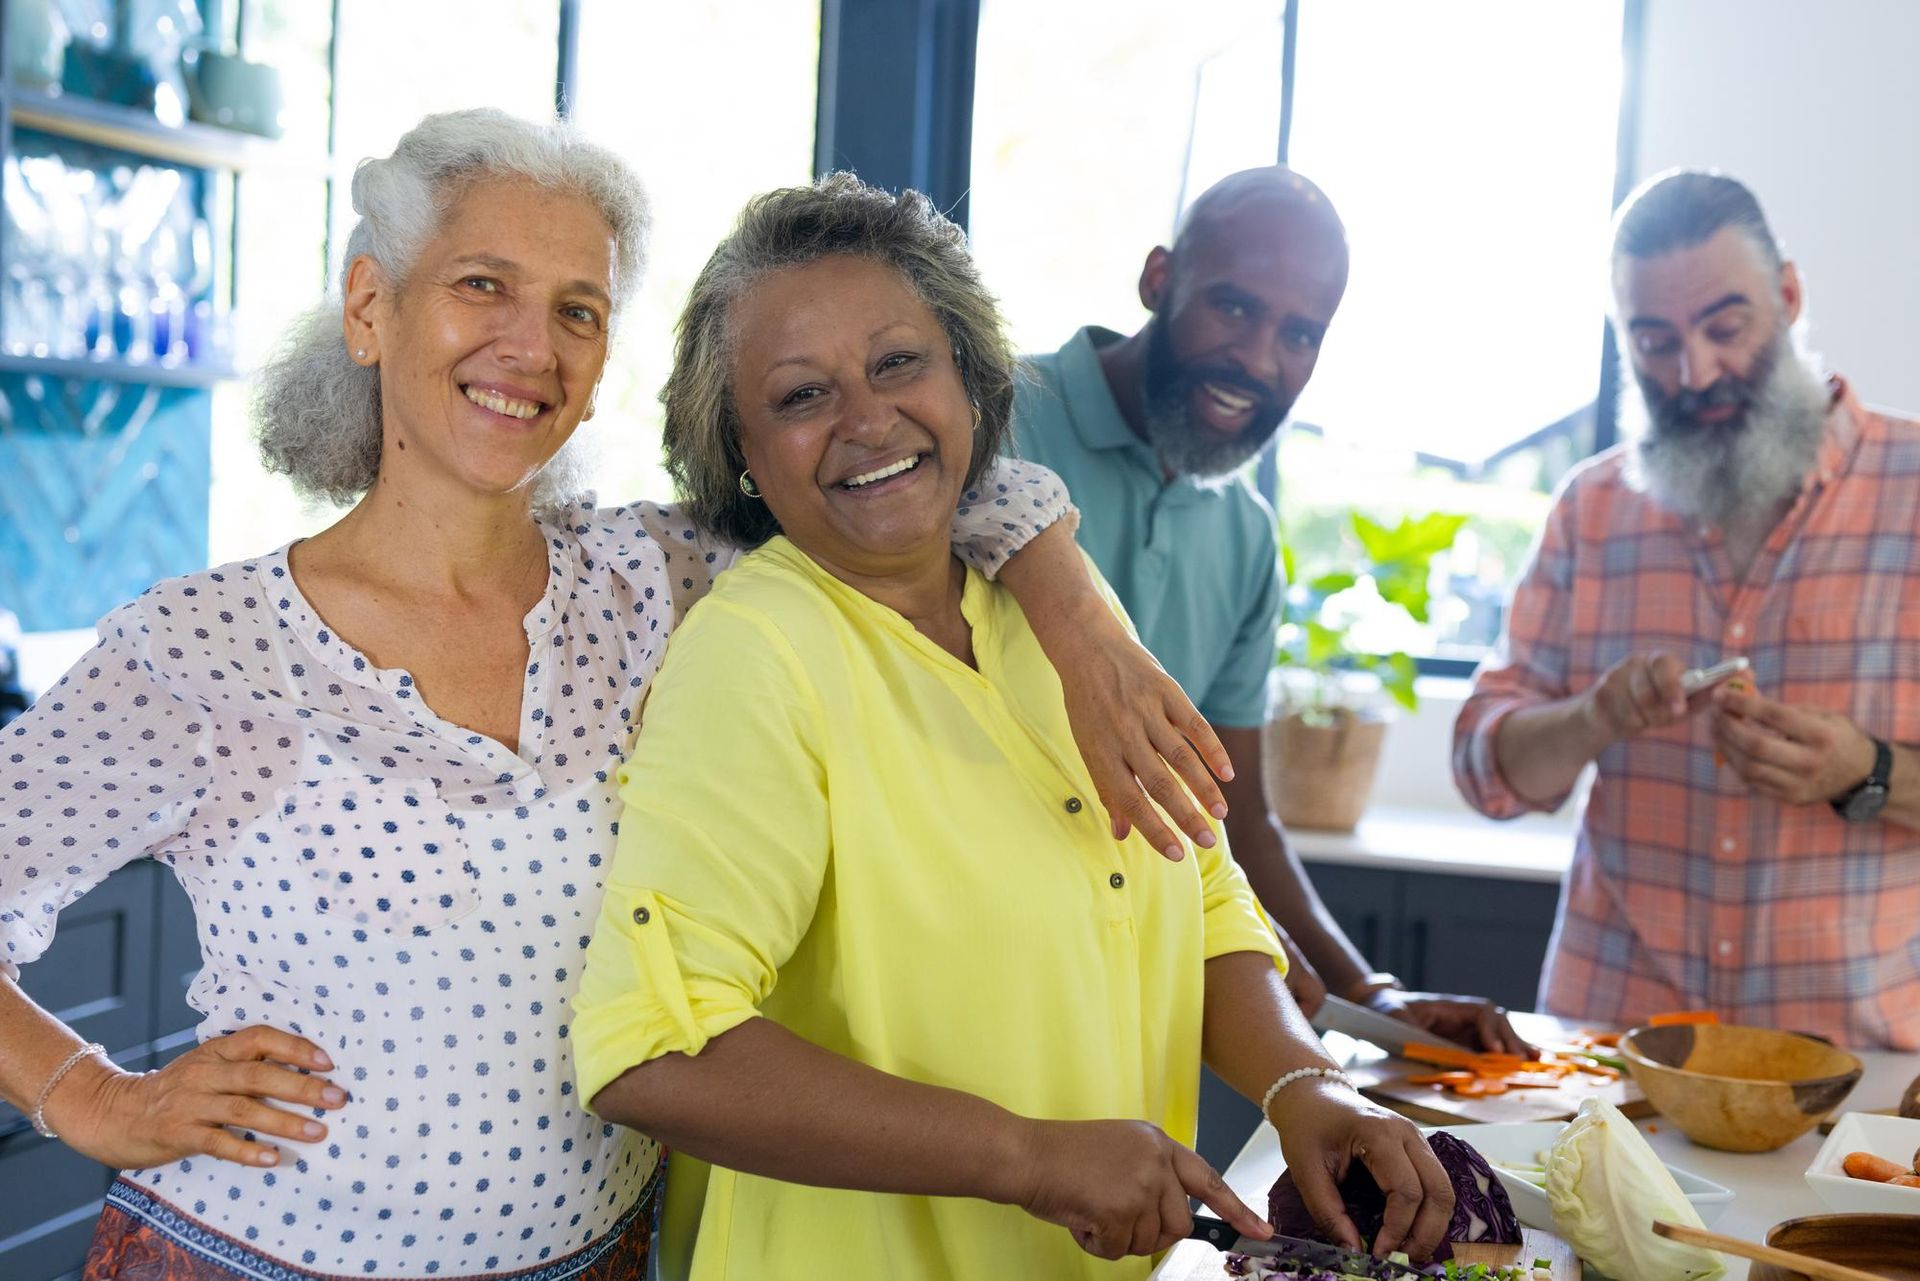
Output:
(1470, 149)
(1093, 126)
(1461, 372)
(711, 103)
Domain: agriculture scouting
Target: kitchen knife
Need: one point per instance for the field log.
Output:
(1390, 1034)
(1223, 1236)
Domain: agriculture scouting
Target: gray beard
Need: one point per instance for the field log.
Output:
(1738, 474)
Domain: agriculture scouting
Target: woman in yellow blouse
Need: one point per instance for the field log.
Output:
(866, 946)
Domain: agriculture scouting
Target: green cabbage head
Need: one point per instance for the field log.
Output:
(1606, 1187)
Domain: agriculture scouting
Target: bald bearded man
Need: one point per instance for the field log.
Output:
(1149, 432)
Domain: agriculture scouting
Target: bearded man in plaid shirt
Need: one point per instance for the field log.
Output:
(1754, 848)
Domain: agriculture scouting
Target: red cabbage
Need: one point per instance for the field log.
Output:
(1481, 1211)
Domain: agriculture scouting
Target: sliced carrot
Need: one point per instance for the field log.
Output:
(1602, 1071)
(1905, 1180)
(1440, 1078)
(1865, 1165)
(1477, 1088)
(1531, 1081)
(1671, 1017)
(1606, 1040)
(1444, 1055)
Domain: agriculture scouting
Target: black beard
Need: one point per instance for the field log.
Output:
(1189, 448)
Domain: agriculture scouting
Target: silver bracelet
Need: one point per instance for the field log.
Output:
(39, 1117)
(1301, 1074)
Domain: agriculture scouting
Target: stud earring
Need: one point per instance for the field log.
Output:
(361, 354)
(747, 486)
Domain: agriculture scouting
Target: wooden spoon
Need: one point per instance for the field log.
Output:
(1818, 1269)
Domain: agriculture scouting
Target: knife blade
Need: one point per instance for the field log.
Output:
(1223, 1236)
(1390, 1034)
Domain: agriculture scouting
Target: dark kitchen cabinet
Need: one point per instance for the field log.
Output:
(117, 973)
(1475, 935)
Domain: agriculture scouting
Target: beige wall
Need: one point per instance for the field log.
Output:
(1812, 104)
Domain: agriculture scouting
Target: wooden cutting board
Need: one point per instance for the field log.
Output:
(1386, 1081)
(1534, 1244)
(1384, 1078)
(1193, 1261)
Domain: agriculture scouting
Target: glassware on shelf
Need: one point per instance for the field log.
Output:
(24, 306)
(108, 264)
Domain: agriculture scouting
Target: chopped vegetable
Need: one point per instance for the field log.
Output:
(1683, 1016)
(1905, 1181)
(1476, 1075)
(1605, 1187)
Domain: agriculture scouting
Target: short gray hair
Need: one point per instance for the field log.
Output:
(1681, 208)
(793, 227)
(316, 411)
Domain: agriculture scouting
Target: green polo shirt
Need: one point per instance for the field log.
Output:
(1194, 563)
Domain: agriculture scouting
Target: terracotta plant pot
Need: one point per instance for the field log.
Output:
(1320, 776)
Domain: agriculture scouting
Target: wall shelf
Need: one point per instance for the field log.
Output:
(108, 124)
(118, 371)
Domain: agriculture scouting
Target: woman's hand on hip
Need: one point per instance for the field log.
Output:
(1325, 1127)
(1121, 1187)
(199, 1103)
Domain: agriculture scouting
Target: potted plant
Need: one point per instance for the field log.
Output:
(1323, 738)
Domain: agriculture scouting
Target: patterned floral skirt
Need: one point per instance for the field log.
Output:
(142, 1238)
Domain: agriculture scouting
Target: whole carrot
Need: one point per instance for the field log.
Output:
(1865, 1165)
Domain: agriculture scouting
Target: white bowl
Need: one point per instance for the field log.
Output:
(1524, 1142)
(1893, 1137)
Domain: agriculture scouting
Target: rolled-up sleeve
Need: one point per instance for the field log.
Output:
(722, 851)
(1233, 918)
(1010, 506)
(1528, 668)
(104, 769)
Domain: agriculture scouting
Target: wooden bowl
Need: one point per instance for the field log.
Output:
(1740, 1089)
(1886, 1245)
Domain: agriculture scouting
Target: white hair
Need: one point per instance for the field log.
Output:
(316, 411)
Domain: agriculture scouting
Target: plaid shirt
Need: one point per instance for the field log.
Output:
(1686, 891)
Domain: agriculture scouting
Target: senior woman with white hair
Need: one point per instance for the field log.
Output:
(381, 763)
(923, 1018)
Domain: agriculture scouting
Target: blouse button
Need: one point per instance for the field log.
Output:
(641, 916)
(1117, 880)
(1073, 805)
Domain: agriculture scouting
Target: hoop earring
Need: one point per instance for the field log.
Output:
(976, 415)
(747, 486)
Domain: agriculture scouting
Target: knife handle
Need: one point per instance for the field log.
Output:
(1217, 1233)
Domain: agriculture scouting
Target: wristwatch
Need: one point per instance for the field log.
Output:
(1864, 801)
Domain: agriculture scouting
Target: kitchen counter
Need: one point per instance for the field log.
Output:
(1453, 841)
(1768, 1186)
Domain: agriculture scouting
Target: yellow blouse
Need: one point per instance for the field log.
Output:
(833, 823)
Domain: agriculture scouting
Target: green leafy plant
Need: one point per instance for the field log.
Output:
(1398, 562)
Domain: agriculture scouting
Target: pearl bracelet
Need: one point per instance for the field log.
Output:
(1300, 1074)
(39, 1116)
